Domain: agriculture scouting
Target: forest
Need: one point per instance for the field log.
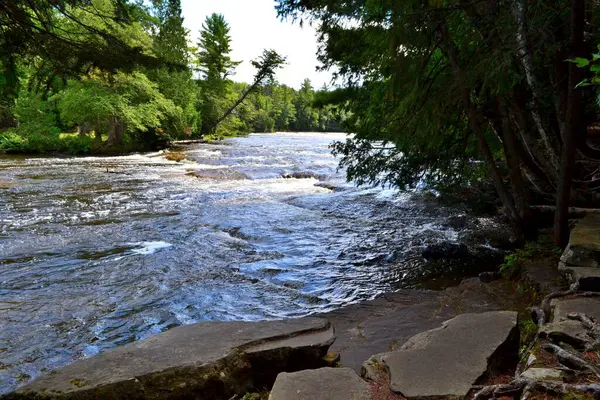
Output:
(109, 77)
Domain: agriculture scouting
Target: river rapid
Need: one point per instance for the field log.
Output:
(97, 252)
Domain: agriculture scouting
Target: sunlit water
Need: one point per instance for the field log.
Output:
(99, 252)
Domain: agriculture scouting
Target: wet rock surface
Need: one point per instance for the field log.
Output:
(217, 359)
(445, 250)
(320, 384)
(449, 360)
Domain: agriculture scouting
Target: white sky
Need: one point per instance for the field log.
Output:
(254, 27)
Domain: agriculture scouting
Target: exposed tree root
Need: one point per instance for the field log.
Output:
(592, 326)
(544, 316)
(513, 388)
(573, 365)
(559, 388)
(529, 388)
(570, 360)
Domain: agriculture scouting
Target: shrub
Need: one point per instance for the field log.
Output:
(76, 144)
(11, 142)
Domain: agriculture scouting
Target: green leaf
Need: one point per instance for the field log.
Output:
(581, 62)
(596, 56)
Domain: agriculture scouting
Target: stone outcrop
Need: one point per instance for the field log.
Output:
(320, 384)
(386, 323)
(581, 258)
(216, 359)
(449, 360)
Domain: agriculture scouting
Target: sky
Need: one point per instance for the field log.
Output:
(255, 26)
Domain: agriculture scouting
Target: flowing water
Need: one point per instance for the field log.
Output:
(99, 252)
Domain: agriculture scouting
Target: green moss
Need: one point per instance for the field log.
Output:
(263, 395)
(577, 396)
(78, 382)
(527, 329)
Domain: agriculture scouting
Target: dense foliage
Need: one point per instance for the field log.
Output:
(118, 75)
(446, 90)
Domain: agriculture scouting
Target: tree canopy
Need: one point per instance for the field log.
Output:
(119, 75)
(439, 90)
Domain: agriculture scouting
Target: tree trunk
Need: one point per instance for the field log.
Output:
(239, 101)
(572, 130)
(519, 192)
(98, 131)
(113, 140)
(474, 119)
(526, 58)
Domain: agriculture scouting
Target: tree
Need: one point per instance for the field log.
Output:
(216, 66)
(306, 117)
(170, 42)
(448, 87)
(215, 45)
(116, 105)
(56, 32)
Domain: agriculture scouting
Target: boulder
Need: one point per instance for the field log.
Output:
(542, 278)
(445, 250)
(448, 361)
(489, 276)
(217, 359)
(320, 384)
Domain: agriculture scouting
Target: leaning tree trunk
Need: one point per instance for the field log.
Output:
(572, 130)
(237, 102)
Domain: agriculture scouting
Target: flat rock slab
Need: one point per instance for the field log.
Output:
(448, 361)
(386, 323)
(320, 384)
(589, 306)
(213, 358)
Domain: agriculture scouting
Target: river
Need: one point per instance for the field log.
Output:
(97, 252)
